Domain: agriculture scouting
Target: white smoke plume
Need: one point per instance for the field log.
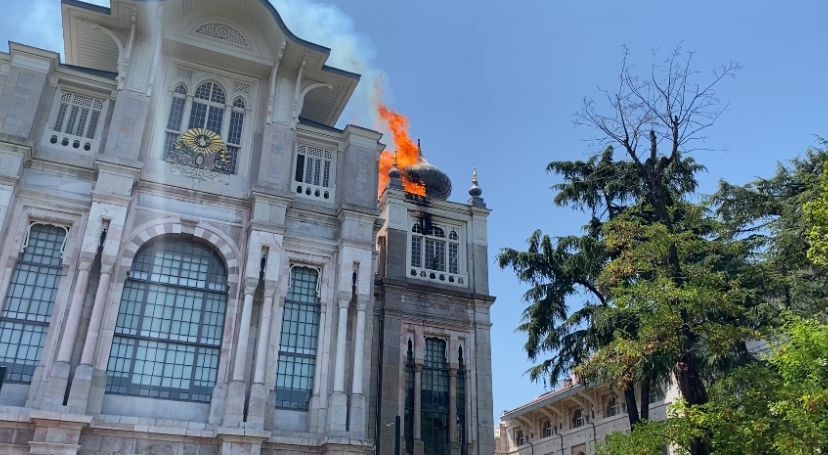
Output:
(331, 27)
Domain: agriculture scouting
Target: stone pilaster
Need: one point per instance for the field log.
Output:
(357, 405)
(234, 412)
(338, 411)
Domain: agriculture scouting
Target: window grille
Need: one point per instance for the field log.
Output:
(170, 323)
(314, 172)
(76, 122)
(297, 349)
(435, 255)
(27, 310)
(434, 398)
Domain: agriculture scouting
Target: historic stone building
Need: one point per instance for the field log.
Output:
(573, 420)
(194, 259)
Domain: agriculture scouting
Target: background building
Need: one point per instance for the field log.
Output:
(194, 260)
(573, 420)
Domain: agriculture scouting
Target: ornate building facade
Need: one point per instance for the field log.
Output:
(575, 419)
(194, 260)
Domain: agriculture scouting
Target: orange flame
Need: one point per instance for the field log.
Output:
(407, 153)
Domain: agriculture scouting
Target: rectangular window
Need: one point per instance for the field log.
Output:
(78, 115)
(297, 349)
(416, 251)
(314, 175)
(27, 310)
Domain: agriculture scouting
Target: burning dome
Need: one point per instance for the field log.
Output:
(436, 182)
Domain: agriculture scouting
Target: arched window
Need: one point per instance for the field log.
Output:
(27, 309)
(520, 437)
(177, 106)
(435, 398)
(435, 248)
(297, 349)
(546, 428)
(170, 322)
(206, 109)
(409, 399)
(613, 407)
(234, 133)
(577, 418)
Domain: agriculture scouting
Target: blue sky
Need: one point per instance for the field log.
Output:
(494, 85)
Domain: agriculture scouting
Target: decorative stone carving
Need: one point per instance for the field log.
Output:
(200, 153)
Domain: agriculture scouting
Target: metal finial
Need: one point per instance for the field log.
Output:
(475, 191)
(419, 147)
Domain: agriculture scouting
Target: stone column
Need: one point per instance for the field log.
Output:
(337, 418)
(59, 375)
(418, 388)
(258, 391)
(70, 332)
(101, 295)
(452, 417)
(357, 410)
(82, 380)
(234, 414)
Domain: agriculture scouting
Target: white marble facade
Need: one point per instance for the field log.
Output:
(102, 200)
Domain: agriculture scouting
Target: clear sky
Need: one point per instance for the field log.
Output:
(495, 85)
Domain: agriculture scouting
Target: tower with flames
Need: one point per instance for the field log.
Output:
(431, 316)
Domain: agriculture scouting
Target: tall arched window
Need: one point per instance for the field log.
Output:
(174, 128)
(461, 402)
(434, 398)
(170, 322)
(206, 109)
(409, 399)
(546, 428)
(577, 418)
(297, 348)
(613, 407)
(234, 133)
(27, 309)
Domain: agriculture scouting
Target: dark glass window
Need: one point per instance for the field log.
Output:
(434, 397)
(297, 348)
(409, 399)
(170, 322)
(27, 309)
(461, 403)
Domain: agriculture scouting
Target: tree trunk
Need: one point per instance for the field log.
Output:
(632, 407)
(694, 392)
(645, 399)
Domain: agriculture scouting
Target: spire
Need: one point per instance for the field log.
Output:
(394, 181)
(475, 192)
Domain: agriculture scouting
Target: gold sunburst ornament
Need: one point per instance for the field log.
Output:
(202, 140)
(200, 148)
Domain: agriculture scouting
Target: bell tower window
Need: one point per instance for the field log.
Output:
(435, 252)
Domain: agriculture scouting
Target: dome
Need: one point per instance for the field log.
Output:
(436, 182)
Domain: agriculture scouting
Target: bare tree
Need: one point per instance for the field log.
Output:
(655, 122)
